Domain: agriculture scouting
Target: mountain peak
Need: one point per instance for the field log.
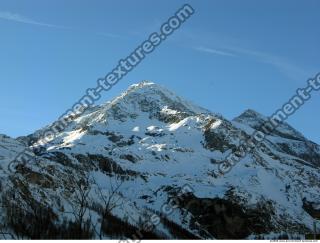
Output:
(255, 120)
(143, 83)
(251, 117)
(147, 85)
(149, 95)
(252, 114)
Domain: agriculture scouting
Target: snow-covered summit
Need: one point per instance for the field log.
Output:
(256, 120)
(250, 115)
(149, 93)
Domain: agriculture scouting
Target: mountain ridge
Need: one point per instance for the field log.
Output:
(154, 143)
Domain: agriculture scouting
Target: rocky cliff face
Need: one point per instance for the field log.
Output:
(114, 168)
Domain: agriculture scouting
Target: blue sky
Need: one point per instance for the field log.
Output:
(229, 56)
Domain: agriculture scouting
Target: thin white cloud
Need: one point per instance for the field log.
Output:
(9, 16)
(236, 47)
(284, 65)
(26, 20)
(214, 51)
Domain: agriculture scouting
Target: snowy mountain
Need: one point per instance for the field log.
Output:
(119, 167)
